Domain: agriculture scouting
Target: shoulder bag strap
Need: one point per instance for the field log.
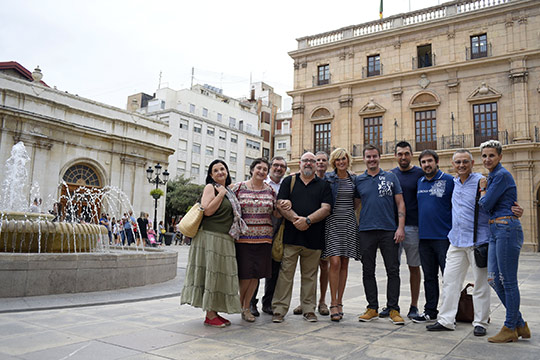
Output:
(293, 180)
(476, 210)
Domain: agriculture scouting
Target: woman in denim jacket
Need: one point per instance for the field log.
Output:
(499, 194)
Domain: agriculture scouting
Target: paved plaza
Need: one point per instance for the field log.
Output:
(148, 323)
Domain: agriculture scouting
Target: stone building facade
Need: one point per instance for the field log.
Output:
(81, 141)
(445, 77)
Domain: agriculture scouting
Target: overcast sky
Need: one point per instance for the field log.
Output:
(107, 50)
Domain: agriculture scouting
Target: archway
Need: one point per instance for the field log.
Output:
(83, 184)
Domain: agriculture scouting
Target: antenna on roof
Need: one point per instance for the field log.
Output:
(159, 83)
(192, 75)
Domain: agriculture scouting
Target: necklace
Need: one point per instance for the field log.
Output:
(253, 187)
(255, 199)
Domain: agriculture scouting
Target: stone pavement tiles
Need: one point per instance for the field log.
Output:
(161, 329)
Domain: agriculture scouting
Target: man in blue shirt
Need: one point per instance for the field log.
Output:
(380, 192)
(434, 223)
(408, 176)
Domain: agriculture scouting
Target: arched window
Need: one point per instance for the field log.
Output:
(81, 175)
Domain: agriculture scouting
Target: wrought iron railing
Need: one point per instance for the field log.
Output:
(367, 72)
(423, 61)
(318, 82)
(480, 54)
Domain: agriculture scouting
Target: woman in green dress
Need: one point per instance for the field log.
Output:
(211, 281)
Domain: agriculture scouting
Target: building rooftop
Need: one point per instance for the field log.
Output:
(434, 13)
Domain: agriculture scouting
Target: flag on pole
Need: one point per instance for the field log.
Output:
(381, 9)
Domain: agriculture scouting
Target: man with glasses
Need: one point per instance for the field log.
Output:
(303, 237)
(278, 168)
(321, 166)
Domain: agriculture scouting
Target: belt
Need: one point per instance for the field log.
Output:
(496, 220)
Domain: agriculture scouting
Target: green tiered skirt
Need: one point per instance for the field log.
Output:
(211, 281)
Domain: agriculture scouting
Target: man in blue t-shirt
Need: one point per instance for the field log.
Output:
(380, 192)
(434, 223)
(408, 176)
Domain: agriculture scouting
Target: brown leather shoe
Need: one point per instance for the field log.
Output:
(524, 331)
(310, 316)
(277, 318)
(297, 310)
(504, 336)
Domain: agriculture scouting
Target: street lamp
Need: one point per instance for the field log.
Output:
(156, 180)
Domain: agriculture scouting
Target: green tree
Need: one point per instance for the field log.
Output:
(181, 195)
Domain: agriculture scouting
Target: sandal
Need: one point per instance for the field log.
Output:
(341, 312)
(323, 309)
(247, 315)
(336, 316)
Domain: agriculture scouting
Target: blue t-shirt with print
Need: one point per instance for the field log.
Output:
(435, 206)
(377, 195)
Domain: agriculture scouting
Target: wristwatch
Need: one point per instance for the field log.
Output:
(308, 221)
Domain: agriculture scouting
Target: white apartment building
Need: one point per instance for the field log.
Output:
(282, 135)
(205, 125)
(267, 104)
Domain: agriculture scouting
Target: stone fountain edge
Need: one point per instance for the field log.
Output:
(32, 274)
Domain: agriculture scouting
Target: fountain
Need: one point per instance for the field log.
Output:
(40, 254)
(23, 231)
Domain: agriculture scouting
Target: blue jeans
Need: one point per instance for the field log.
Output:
(432, 258)
(505, 245)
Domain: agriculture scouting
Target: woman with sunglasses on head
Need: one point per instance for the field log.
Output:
(211, 274)
(341, 230)
(498, 196)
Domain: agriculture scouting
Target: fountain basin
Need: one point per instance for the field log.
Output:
(35, 233)
(49, 273)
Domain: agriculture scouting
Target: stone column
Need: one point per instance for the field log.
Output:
(522, 169)
(298, 127)
(342, 124)
(521, 124)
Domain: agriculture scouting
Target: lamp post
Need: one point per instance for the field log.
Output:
(156, 180)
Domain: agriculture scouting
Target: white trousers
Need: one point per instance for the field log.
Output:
(458, 261)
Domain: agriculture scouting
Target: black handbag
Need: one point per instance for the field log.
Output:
(481, 255)
(480, 251)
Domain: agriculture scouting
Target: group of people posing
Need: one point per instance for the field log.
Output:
(436, 218)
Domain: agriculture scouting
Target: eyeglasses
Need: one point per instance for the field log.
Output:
(311, 161)
(279, 166)
(464, 162)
